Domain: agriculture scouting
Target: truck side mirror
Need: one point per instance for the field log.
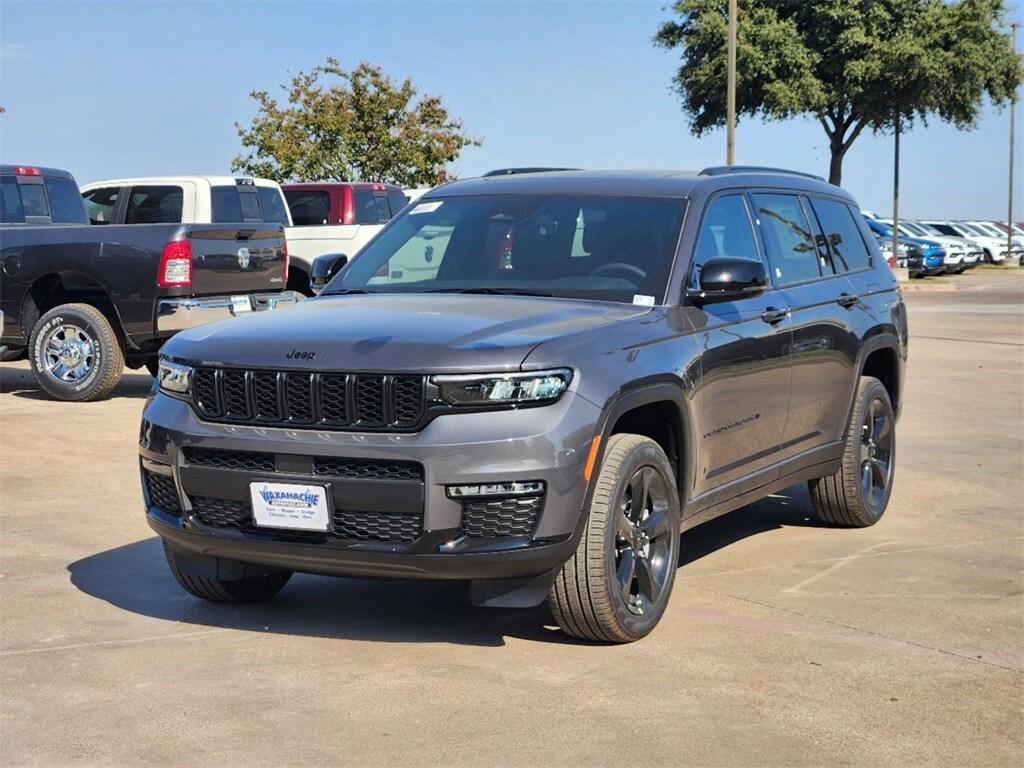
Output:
(324, 268)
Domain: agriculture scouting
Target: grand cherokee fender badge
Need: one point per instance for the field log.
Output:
(738, 423)
(296, 354)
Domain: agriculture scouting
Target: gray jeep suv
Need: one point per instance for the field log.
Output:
(533, 383)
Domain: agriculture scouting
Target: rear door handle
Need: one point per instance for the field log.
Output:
(847, 299)
(773, 315)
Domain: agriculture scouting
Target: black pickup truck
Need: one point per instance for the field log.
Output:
(82, 302)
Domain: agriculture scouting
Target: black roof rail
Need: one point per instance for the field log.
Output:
(721, 170)
(517, 171)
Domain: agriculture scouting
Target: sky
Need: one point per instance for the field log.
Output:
(108, 89)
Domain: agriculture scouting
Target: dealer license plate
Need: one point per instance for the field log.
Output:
(286, 505)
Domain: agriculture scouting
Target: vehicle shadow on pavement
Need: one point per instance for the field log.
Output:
(21, 383)
(135, 578)
(787, 508)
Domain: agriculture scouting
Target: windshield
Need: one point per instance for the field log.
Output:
(929, 229)
(586, 247)
(970, 230)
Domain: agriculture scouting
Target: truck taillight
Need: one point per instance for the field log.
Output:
(175, 265)
(284, 262)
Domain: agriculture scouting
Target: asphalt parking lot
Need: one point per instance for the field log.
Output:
(786, 643)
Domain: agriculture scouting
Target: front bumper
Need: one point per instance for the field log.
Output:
(451, 540)
(179, 314)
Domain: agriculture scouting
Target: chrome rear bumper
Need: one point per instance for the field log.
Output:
(177, 314)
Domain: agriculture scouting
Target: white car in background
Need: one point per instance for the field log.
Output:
(353, 215)
(991, 229)
(994, 249)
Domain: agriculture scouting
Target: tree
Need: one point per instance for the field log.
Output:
(360, 128)
(852, 64)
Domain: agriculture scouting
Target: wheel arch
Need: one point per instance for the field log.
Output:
(56, 288)
(658, 411)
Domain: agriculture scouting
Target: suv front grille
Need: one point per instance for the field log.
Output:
(369, 469)
(498, 518)
(243, 460)
(348, 524)
(315, 400)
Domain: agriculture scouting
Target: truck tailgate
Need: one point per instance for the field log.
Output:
(234, 260)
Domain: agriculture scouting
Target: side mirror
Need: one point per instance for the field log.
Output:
(729, 278)
(324, 268)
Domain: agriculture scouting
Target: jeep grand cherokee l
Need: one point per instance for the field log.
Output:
(579, 366)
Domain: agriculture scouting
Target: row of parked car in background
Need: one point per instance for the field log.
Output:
(929, 247)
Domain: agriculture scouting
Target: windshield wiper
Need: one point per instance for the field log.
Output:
(345, 291)
(493, 291)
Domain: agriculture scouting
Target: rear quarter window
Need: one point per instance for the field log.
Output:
(371, 207)
(849, 251)
(101, 204)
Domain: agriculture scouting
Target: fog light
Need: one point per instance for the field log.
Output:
(529, 488)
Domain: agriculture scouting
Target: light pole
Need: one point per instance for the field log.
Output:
(896, 187)
(1013, 130)
(730, 90)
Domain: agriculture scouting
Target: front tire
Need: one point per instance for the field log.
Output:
(249, 589)
(616, 586)
(858, 494)
(75, 353)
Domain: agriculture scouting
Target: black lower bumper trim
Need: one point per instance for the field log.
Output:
(531, 560)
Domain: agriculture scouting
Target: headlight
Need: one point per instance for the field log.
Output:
(504, 388)
(174, 377)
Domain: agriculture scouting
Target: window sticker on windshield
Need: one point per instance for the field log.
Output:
(643, 300)
(426, 207)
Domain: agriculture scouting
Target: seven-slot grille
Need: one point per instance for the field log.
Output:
(295, 399)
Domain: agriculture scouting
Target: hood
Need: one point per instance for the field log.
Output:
(396, 332)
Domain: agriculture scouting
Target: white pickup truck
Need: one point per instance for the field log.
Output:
(325, 217)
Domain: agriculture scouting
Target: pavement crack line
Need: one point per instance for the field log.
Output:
(969, 341)
(861, 630)
(102, 643)
(837, 565)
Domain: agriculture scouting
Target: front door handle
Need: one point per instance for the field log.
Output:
(773, 315)
(847, 299)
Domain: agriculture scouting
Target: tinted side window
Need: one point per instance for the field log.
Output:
(725, 231)
(100, 204)
(11, 210)
(787, 238)
(849, 251)
(371, 207)
(309, 208)
(273, 207)
(225, 205)
(65, 201)
(154, 205)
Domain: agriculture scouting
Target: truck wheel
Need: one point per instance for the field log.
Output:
(75, 353)
(857, 495)
(251, 589)
(617, 584)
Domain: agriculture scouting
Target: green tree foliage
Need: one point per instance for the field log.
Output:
(360, 127)
(852, 64)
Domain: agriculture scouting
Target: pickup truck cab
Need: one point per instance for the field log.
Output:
(82, 301)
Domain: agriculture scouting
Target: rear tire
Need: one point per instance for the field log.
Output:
(858, 494)
(75, 353)
(251, 589)
(616, 586)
